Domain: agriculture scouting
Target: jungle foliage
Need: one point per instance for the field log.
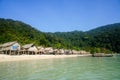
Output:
(102, 39)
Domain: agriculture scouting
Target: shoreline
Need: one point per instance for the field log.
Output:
(6, 58)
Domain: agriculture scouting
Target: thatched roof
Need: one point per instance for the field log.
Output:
(40, 47)
(8, 44)
(27, 45)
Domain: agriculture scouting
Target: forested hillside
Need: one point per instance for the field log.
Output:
(101, 39)
(107, 37)
(11, 30)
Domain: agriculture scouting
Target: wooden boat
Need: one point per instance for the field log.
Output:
(101, 55)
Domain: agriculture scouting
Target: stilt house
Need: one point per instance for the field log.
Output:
(30, 49)
(10, 47)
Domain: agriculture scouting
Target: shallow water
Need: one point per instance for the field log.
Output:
(77, 68)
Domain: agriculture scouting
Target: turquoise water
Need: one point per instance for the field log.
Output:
(77, 68)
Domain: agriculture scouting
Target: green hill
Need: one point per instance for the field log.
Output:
(101, 39)
(107, 37)
(11, 30)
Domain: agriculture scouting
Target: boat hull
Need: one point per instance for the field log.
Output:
(102, 55)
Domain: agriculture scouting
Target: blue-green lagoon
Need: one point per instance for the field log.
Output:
(76, 68)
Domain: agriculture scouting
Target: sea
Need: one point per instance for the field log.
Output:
(75, 68)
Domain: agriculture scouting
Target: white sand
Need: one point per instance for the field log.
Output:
(4, 58)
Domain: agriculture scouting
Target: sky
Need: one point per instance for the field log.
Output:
(62, 15)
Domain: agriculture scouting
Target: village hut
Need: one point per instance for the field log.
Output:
(10, 48)
(61, 51)
(56, 51)
(40, 50)
(49, 50)
(84, 52)
(67, 52)
(29, 49)
(75, 52)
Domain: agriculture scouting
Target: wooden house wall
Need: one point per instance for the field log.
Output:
(15, 46)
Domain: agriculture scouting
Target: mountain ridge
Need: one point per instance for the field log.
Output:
(101, 38)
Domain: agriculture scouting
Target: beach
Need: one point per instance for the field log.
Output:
(4, 58)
